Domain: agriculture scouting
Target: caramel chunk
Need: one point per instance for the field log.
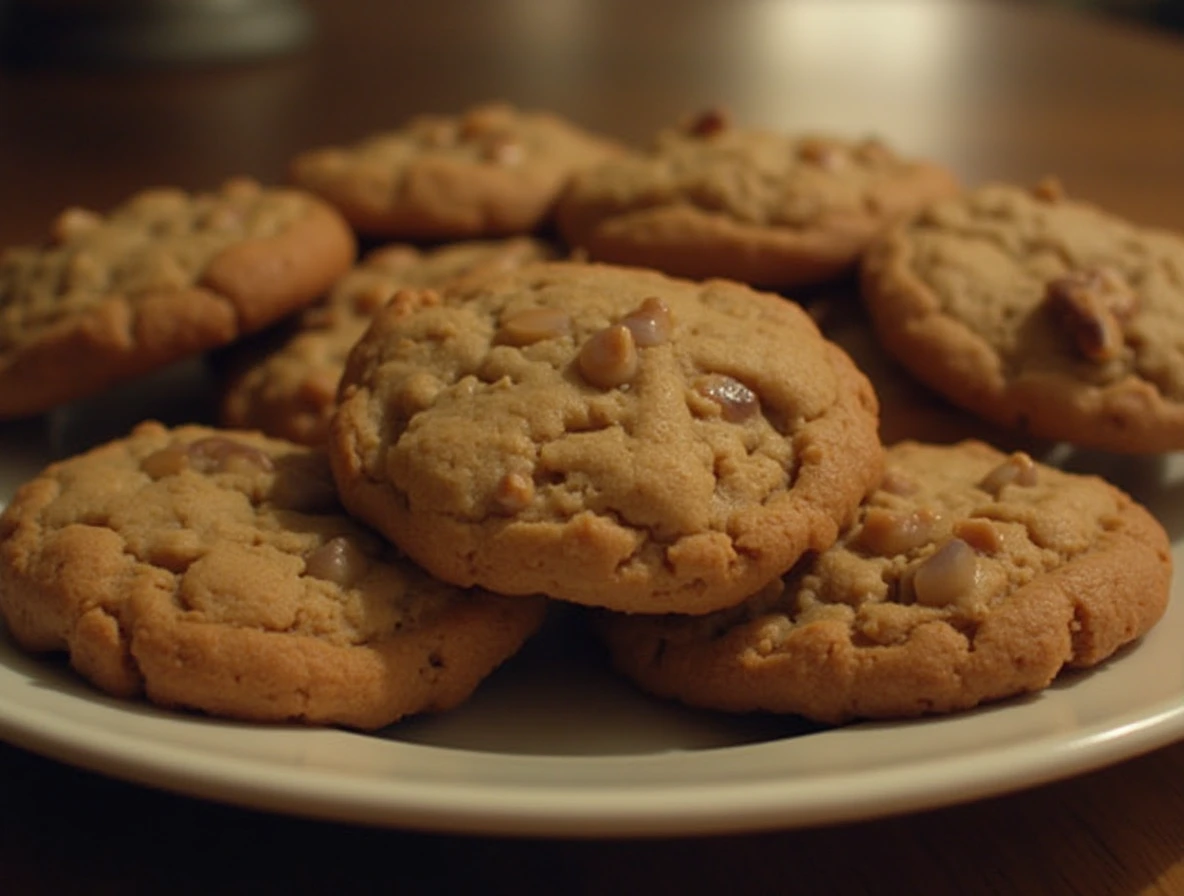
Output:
(736, 401)
(534, 325)
(888, 533)
(1018, 469)
(947, 576)
(980, 534)
(609, 357)
(166, 462)
(1093, 304)
(650, 324)
(217, 454)
(338, 560)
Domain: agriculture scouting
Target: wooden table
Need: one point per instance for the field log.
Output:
(996, 90)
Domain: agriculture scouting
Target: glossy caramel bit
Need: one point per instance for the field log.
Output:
(213, 454)
(217, 454)
(651, 324)
(534, 325)
(1018, 469)
(947, 576)
(338, 560)
(609, 357)
(980, 534)
(888, 533)
(736, 401)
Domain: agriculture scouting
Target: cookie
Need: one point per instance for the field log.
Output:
(909, 410)
(493, 170)
(164, 276)
(215, 571)
(969, 575)
(1038, 312)
(764, 208)
(606, 436)
(288, 387)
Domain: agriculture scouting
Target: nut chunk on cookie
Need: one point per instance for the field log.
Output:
(286, 385)
(969, 575)
(1040, 313)
(768, 209)
(493, 170)
(214, 570)
(162, 277)
(607, 436)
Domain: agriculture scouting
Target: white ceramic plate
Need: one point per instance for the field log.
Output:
(554, 745)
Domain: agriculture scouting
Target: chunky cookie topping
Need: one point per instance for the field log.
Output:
(647, 442)
(949, 588)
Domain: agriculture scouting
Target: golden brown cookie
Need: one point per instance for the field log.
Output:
(1038, 312)
(909, 410)
(608, 436)
(769, 209)
(494, 170)
(215, 570)
(969, 575)
(164, 276)
(288, 387)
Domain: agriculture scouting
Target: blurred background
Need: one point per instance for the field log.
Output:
(101, 97)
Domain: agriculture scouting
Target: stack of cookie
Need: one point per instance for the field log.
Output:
(428, 447)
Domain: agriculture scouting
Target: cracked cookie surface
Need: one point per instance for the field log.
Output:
(1038, 312)
(215, 570)
(608, 436)
(761, 207)
(288, 387)
(493, 170)
(969, 575)
(164, 276)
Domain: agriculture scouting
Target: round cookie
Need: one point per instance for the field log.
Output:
(1038, 312)
(288, 387)
(164, 276)
(968, 576)
(493, 170)
(215, 570)
(909, 410)
(607, 436)
(764, 208)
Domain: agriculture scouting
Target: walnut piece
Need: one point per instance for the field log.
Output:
(1093, 304)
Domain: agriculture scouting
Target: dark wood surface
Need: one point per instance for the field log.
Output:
(996, 90)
